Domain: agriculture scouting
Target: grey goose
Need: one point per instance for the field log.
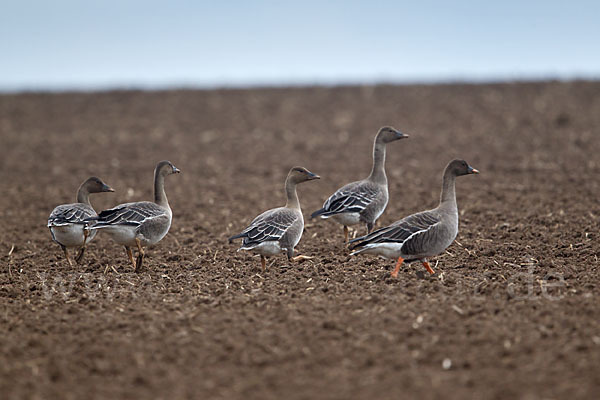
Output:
(365, 200)
(67, 222)
(279, 229)
(143, 223)
(421, 235)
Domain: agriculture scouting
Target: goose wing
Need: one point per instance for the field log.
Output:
(354, 197)
(66, 214)
(269, 226)
(133, 214)
(410, 232)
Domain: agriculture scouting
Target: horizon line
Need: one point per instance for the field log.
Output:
(282, 84)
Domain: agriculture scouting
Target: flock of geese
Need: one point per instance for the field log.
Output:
(144, 223)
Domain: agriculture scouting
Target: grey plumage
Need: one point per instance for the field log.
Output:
(415, 235)
(74, 213)
(71, 214)
(67, 222)
(364, 197)
(365, 200)
(283, 225)
(134, 214)
(141, 223)
(421, 235)
(278, 229)
(405, 231)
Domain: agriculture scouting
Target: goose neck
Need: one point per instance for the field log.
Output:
(448, 196)
(83, 195)
(378, 170)
(160, 197)
(291, 193)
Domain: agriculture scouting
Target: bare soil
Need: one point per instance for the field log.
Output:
(513, 311)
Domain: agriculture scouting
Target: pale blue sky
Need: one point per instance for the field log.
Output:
(87, 44)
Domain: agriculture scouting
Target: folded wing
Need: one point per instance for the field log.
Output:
(67, 214)
(353, 198)
(133, 214)
(269, 226)
(412, 232)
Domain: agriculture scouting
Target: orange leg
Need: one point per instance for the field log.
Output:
(67, 255)
(345, 234)
(398, 264)
(130, 255)
(140, 257)
(80, 255)
(82, 250)
(263, 262)
(428, 267)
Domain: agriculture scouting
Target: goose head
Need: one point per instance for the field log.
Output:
(460, 167)
(95, 185)
(165, 168)
(301, 174)
(388, 134)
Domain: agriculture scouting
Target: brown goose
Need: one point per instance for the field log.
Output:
(420, 235)
(279, 229)
(67, 222)
(363, 201)
(143, 223)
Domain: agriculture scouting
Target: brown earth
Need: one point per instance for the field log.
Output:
(513, 312)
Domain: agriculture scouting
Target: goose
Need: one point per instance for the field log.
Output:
(67, 222)
(421, 235)
(143, 223)
(365, 200)
(279, 229)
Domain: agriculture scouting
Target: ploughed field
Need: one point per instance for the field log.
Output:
(513, 311)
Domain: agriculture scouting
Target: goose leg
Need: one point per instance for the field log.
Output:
(140, 257)
(398, 264)
(370, 226)
(130, 255)
(428, 267)
(80, 255)
(67, 255)
(345, 234)
(82, 250)
(263, 262)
